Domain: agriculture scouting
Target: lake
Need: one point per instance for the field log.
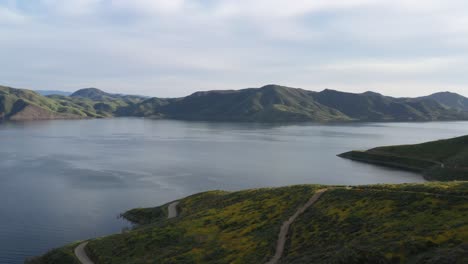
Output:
(63, 181)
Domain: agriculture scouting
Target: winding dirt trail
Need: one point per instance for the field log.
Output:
(80, 252)
(285, 227)
(172, 210)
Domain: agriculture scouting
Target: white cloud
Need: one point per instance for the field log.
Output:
(150, 6)
(9, 16)
(189, 45)
(72, 7)
(408, 66)
(281, 8)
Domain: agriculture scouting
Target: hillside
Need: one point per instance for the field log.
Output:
(99, 95)
(52, 92)
(437, 160)
(451, 100)
(22, 104)
(271, 103)
(409, 223)
(372, 106)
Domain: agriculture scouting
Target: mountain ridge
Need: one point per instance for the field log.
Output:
(269, 103)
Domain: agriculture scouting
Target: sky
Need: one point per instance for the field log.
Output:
(170, 48)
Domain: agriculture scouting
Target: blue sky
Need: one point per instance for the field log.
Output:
(175, 47)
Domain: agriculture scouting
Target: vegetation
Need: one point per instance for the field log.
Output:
(442, 160)
(21, 104)
(408, 223)
(384, 224)
(452, 100)
(57, 256)
(271, 103)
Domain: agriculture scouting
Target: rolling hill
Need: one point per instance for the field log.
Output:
(451, 100)
(52, 92)
(22, 104)
(408, 223)
(437, 160)
(99, 95)
(271, 103)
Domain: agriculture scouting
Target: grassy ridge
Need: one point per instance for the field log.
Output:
(384, 224)
(409, 223)
(213, 227)
(442, 160)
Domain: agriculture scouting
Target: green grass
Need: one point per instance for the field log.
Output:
(213, 227)
(399, 223)
(63, 255)
(423, 223)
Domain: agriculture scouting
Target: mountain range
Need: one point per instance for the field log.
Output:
(270, 103)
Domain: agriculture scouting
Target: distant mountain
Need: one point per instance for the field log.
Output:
(99, 95)
(271, 103)
(370, 106)
(451, 100)
(52, 92)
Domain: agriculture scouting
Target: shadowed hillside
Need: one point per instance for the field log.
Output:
(452, 100)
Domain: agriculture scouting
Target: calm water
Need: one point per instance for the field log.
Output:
(63, 181)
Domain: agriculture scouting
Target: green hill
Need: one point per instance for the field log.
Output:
(22, 104)
(437, 160)
(372, 106)
(451, 100)
(271, 103)
(410, 223)
(99, 95)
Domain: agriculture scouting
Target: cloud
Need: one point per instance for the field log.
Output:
(146, 46)
(71, 7)
(150, 6)
(408, 66)
(11, 17)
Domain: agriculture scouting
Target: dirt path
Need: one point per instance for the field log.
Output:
(80, 249)
(81, 254)
(285, 227)
(172, 210)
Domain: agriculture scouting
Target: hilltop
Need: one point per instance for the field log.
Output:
(99, 95)
(437, 160)
(451, 100)
(23, 104)
(270, 103)
(407, 223)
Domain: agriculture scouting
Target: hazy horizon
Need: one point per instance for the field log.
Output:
(112, 92)
(171, 48)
